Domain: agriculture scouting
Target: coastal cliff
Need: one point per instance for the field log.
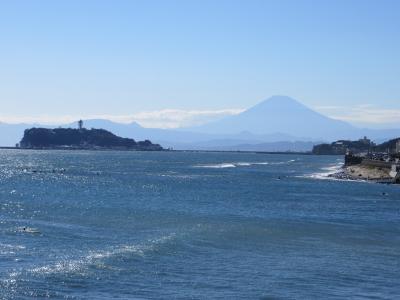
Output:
(69, 138)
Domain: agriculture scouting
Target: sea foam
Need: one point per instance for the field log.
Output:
(326, 172)
(242, 164)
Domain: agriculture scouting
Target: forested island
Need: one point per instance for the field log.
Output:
(82, 138)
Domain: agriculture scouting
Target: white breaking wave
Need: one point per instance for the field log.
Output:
(217, 166)
(326, 172)
(242, 164)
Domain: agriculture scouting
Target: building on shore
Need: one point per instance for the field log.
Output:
(366, 141)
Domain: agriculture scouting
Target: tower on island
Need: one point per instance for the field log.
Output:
(80, 124)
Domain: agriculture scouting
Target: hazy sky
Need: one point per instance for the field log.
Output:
(64, 59)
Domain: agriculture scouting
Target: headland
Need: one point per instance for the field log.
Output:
(364, 160)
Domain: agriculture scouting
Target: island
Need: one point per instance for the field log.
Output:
(365, 160)
(81, 138)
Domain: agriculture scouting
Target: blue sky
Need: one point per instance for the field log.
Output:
(61, 60)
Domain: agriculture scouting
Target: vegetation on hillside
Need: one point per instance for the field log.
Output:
(81, 138)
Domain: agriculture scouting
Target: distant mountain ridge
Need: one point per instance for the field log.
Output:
(280, 114)
(279, 122)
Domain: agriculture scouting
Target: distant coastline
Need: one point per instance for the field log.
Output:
(165, 150)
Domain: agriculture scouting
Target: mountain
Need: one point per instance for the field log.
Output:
(280, 114)
(277, 119)
(184, 139)
(282, 146)
(11, 134)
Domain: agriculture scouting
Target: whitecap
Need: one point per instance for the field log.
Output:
(217, 166)
(242, 164)
(326, 173)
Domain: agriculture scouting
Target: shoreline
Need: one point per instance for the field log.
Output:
(363, 173)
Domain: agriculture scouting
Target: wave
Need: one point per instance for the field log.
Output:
(8, 249)
(9, 246)
(217, 166)
(94, 259)
(180, 176)
(242, 164)
(326, 173)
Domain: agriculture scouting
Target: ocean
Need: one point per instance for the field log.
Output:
(181, 225)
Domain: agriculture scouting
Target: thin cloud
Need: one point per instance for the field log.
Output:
(166, 118)
(362, 114)
(174, 118)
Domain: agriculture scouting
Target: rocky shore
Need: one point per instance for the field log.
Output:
(361, 172)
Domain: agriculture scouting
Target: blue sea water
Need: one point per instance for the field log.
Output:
(176, 225)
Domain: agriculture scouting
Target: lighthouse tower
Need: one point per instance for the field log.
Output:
(80, 124)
